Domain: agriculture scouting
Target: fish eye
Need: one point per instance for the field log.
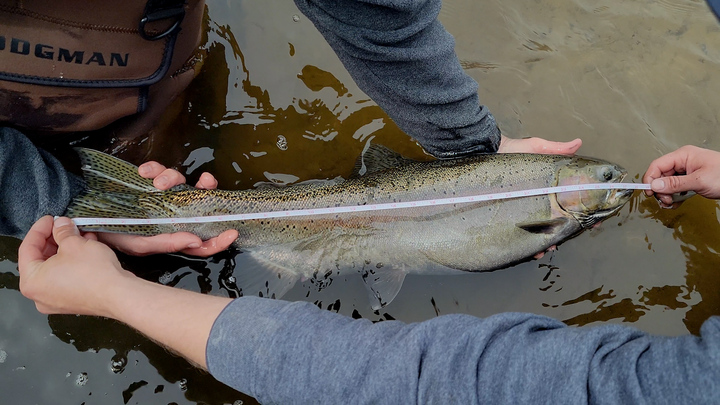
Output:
(607, 174)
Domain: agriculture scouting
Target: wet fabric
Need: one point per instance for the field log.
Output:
(401, 56)
(32, 184)
(282, 352)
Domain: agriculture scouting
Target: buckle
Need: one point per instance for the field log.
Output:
(178, 14)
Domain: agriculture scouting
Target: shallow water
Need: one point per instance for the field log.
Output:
(634, 80)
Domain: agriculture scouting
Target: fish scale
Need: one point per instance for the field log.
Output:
(383, 246)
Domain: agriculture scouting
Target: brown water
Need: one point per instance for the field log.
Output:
(634, 80)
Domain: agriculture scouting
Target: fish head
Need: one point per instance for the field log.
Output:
(590, 207)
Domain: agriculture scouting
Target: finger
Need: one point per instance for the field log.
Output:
(33, 246)
(64, 228)
(665, 200)
(664, 166)
(214, 245)
(538, 145)
(207, 182)
(672, 163)
(44, 309)
(148, 245)
(562, 148)
(50, 248)
(168, 178)
(151, 169)
(90, 236)
(674, 184)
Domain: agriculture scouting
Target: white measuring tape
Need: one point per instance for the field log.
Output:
(359, 208)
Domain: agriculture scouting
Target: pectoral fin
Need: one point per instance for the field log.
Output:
(545, 226)
(383, 285)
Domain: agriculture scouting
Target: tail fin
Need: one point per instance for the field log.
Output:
(103, 172)
(113, 190)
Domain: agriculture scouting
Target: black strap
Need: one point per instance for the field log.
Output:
(156, 10)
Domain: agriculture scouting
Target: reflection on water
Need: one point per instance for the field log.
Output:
(273, 104)
(696, 230)
(695, 226)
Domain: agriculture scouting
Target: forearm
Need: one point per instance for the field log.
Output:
(295, 353)
(32, 184)
(402, 57)
(177, 319)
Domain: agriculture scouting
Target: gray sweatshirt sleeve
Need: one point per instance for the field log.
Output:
(283, 352)
(401, 56)
(32, 184)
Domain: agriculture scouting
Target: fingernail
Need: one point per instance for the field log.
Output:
(657, 185)
(162, 181)
(193, 245)
(65, 221)
(143, 170)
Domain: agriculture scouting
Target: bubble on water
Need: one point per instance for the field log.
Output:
(182, 384)
(3, 356)
(81, 379)
(118, 363)
(68, 374)
(166, 278)
(282, 143)
(296, 17)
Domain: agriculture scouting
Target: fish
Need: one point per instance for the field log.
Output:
(382, 246)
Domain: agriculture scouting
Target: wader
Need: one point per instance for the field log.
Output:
(78, 65)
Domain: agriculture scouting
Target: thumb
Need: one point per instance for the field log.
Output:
(673, 184)
(565, 148)
(63, 228)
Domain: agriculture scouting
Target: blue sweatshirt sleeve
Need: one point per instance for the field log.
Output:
(32, 184)
(401, 56)
(283, 352)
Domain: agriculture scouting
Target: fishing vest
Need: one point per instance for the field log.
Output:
(78, 65)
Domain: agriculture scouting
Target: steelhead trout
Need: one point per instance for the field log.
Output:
(383, 246)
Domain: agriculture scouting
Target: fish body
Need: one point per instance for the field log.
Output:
(383, 246)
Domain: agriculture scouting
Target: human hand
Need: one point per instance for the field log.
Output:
(185, 242)
(687, 169)
(65, 273)
(538, 145)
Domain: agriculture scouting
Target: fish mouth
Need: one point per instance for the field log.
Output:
(622, 194)
(617, 198)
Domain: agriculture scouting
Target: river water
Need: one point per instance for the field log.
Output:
(634, 80)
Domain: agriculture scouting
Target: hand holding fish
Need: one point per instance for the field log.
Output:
(185, 242)
(66, 273)
(538, 145)
(687, 169)
(59, 269)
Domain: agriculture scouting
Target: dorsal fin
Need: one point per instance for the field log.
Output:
(376, 158)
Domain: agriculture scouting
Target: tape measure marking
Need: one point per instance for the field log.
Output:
(360, 208)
